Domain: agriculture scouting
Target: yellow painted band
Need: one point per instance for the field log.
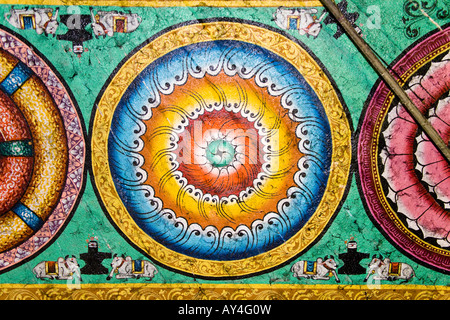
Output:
(50, 154)
(7, 63)
(49, 143)
(50, 157)
(13, 231)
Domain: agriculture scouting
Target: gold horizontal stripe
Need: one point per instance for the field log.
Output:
(171, 3)
(183, 291)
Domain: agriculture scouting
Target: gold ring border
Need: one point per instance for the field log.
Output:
(314, 75)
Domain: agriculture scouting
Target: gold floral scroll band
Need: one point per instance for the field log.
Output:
(183, 291)
(315, 76)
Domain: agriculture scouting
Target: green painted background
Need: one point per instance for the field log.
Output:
(87, 74)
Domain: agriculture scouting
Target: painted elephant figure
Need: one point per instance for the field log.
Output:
(61, 269)
(384, 269)
(299, 19)
(43, 20)
(107, 22)
(126, 268)
(321, 269)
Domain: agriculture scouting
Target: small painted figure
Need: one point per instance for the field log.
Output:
(352, 259)
(94, 259)
(384, 269)
(125, 268)
(304, 20)
(61, 269)
(76, 23)
(106, 23)
(351, 17)
(321, 269)
(43, 20)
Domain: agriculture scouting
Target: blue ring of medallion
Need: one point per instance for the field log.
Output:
(271, 72)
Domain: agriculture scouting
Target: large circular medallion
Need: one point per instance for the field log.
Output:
(41, 152)
(404, 179)
(221, 148)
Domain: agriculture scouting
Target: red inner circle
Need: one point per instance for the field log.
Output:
(15, 171)
(238, 131)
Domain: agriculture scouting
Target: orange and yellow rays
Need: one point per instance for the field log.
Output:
(237, 111)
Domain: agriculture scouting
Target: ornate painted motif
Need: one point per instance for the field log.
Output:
(203, 292)
(230, 88)
(41, 136)
(223, 139)
(417, 11)
(404, 179)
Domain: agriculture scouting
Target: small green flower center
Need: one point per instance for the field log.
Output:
(220, 153)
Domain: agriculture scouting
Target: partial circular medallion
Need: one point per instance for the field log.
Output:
(41, 152)
(221, 148)
(404, 179)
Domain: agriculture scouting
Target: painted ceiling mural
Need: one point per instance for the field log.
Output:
(223, 150)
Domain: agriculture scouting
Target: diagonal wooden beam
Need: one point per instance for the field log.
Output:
(388, 78)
